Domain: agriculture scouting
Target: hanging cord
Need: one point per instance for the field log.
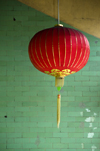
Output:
(58, 14)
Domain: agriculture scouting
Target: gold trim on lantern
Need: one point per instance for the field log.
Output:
(58, 73)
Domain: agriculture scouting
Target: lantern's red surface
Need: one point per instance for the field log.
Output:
(59, 51)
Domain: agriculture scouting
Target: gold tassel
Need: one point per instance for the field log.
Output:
(58, 110)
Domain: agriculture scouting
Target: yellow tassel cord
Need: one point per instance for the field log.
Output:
(58, 110)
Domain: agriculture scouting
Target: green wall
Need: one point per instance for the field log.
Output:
(28, 97)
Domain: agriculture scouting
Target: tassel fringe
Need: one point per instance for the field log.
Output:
(58, 109)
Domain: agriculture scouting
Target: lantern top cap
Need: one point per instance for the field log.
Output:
(59, 25)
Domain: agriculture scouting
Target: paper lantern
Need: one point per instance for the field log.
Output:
(59, 52)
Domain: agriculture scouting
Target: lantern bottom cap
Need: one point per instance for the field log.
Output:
(59, 82)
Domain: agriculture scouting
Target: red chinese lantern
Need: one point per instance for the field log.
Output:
(59, 51)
